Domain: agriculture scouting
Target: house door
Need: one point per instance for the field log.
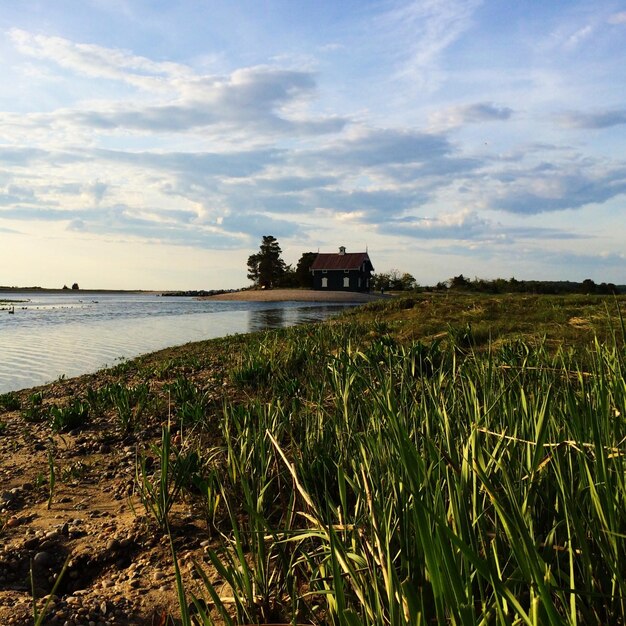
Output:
(324, 282)
(346, 281)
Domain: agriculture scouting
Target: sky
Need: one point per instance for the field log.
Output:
(150, 144)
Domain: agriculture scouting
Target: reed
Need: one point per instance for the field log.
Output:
(419, 482)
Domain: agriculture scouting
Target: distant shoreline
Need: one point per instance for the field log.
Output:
(71, 291)
(295, 295)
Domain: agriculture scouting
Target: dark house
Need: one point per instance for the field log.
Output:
(345, 271)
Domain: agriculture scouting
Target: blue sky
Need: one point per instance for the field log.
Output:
(151, 144)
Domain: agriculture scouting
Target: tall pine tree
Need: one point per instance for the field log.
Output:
(266, 268)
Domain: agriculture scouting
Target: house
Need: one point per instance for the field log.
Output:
(343, 271)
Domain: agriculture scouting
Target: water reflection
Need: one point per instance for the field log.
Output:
(266, 319)
(279, 317)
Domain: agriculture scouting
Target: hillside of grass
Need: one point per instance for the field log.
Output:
(440, 458)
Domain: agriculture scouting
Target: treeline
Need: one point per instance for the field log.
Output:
(512, 285)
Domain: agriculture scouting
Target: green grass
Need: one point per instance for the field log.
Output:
(443, 458)
(458, 481)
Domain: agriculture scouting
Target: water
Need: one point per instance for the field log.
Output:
(51, 335)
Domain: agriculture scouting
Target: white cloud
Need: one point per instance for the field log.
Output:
(577, 37)
(420, 31)
(617, 18)
(98, 61)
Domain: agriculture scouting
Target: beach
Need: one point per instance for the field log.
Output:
(295, 295)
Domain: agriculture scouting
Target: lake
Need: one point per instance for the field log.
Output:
(57, 334)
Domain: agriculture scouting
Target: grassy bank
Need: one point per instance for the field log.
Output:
(437, 459)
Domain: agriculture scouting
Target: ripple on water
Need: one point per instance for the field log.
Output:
(40, 345)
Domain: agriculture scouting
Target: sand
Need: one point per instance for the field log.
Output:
(295, 295)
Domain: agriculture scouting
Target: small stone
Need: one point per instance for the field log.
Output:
(113, 545)
(44, 559)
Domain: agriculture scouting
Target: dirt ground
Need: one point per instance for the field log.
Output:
(119, 564)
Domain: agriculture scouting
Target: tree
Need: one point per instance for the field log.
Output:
(304, 277)
(459, 282)
(407, 282)
(393, 280)
(266, 268)
(75, 286)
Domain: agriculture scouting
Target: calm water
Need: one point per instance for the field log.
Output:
(70, 334)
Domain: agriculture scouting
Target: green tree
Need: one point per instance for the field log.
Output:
(393, 280)
(304, 277)
(407, 282)
(265, 268)
(459, 282)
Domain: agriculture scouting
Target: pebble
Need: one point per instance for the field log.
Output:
(113, 545)
(44, 559)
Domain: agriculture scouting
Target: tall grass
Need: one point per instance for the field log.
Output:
(370, 482)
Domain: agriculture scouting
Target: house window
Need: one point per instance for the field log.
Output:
(359, 282)
(345, 271)
(324, 271)
(346, 281)
(324, 282)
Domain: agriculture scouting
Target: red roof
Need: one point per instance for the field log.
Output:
(346, 261)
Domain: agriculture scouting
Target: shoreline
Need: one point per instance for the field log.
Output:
(295, 295)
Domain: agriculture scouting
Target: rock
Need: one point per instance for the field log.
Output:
(113, 545)
(43, 559)
(32, 543)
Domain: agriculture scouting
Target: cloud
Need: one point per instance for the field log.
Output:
(468, 225)
(267, 98)
(127, 222)
(544, 190)
(375, 147)
(370, 206)
(195, 165)
(255, 99)
(98, 61)
(255, 225)
(470, 114)
(463, 224)
(617, 18)
(10, 231)
(16, 194)
(231, 107)
(577, 37)
(21, 156)
(595, 120)
(97, 190)
(419, 31)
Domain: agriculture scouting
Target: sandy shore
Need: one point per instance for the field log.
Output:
(295, 295)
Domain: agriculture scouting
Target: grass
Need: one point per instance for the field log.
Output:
(462, 480)
(452, 458)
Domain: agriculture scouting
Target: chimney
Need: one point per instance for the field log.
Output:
(342, 249)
